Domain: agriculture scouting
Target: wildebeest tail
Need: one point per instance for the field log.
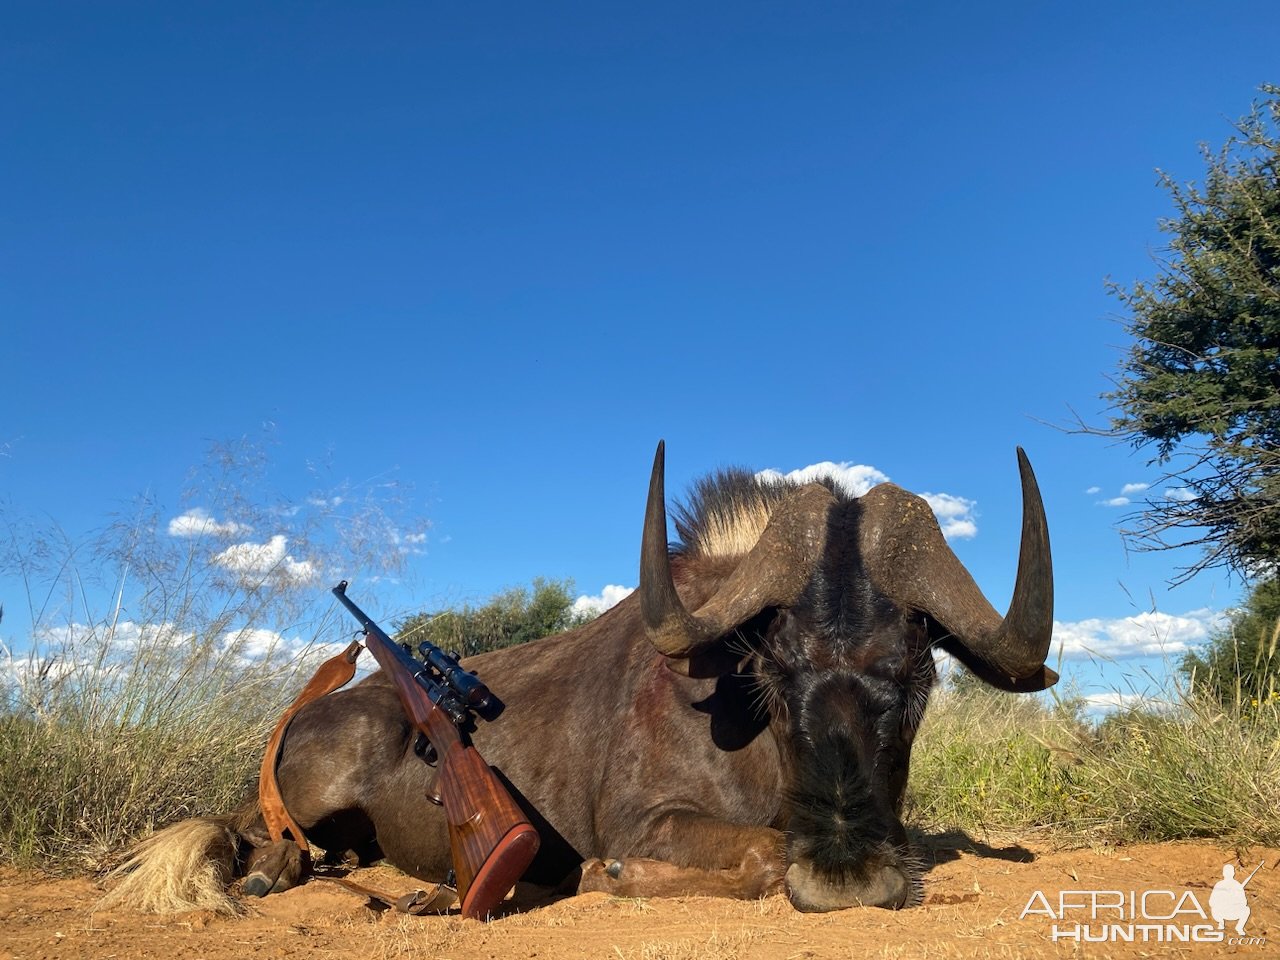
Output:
(186, 866)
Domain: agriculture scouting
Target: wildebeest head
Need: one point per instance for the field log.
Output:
(834, 605)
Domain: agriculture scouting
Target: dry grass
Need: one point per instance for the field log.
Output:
(410, 938)
(715, 946)
(152, 664)
(991, 765)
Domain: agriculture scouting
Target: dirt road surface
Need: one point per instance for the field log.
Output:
(975, 896)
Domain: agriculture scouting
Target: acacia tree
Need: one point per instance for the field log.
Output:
(1200, 387)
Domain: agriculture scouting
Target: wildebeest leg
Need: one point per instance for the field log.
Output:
(692, 854)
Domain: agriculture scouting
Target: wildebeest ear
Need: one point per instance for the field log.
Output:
(1042, 679)
(713, 661)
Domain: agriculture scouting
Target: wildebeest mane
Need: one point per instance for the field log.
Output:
(726, 511)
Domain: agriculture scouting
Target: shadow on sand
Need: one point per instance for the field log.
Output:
(945, 847)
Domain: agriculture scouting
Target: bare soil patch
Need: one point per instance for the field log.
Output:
(973, 896)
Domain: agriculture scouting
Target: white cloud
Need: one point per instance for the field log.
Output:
(1111, 700)
(254, 561)
(257, 643)
(856, 478)
(407, 543)
(1114, 502)
(258, 646)
(122, 635)
(602, 601)
(94, 654)
(1118, 700)
(1129, 488)
(955, 514)
(198, 523)
(1181, 494)
(102, 657)
(31, 670)
(1092, 491)
(1143, 635)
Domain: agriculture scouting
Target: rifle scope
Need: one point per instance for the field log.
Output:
(467, 685)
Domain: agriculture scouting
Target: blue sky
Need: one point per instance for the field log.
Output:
(496, 251)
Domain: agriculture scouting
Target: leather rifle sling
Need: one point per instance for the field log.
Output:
(439, 899)
(333, 673)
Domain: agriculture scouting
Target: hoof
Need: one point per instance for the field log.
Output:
(273, 869)
(594, 877)
(256, 885)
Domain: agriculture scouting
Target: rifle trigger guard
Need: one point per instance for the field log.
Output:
(423, 748)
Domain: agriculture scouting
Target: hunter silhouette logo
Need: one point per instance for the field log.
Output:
(1149, 916)
(1228, 900)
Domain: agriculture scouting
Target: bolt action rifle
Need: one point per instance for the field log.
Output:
(491, 840)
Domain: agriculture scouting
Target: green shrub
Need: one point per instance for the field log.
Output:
(511, 617)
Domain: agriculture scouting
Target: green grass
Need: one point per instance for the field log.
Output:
(1190, 768)
(991, 762)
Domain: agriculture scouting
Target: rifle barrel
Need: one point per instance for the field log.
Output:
(439, 694)
(491, 840)
(1255, 870)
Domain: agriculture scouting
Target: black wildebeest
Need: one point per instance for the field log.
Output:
(741, 724)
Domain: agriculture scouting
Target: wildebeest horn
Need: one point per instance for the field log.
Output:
(908, 559)
(772, 574)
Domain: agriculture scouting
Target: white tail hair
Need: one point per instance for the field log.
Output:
(187, 866)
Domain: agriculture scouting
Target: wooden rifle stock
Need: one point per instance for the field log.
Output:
(491, 840)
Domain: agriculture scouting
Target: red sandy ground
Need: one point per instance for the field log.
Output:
(974, 894)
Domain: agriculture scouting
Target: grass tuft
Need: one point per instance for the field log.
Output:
(139, 684)
(1179, 768)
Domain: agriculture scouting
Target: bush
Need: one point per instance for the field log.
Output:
(512, 617)
(1241, 663)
